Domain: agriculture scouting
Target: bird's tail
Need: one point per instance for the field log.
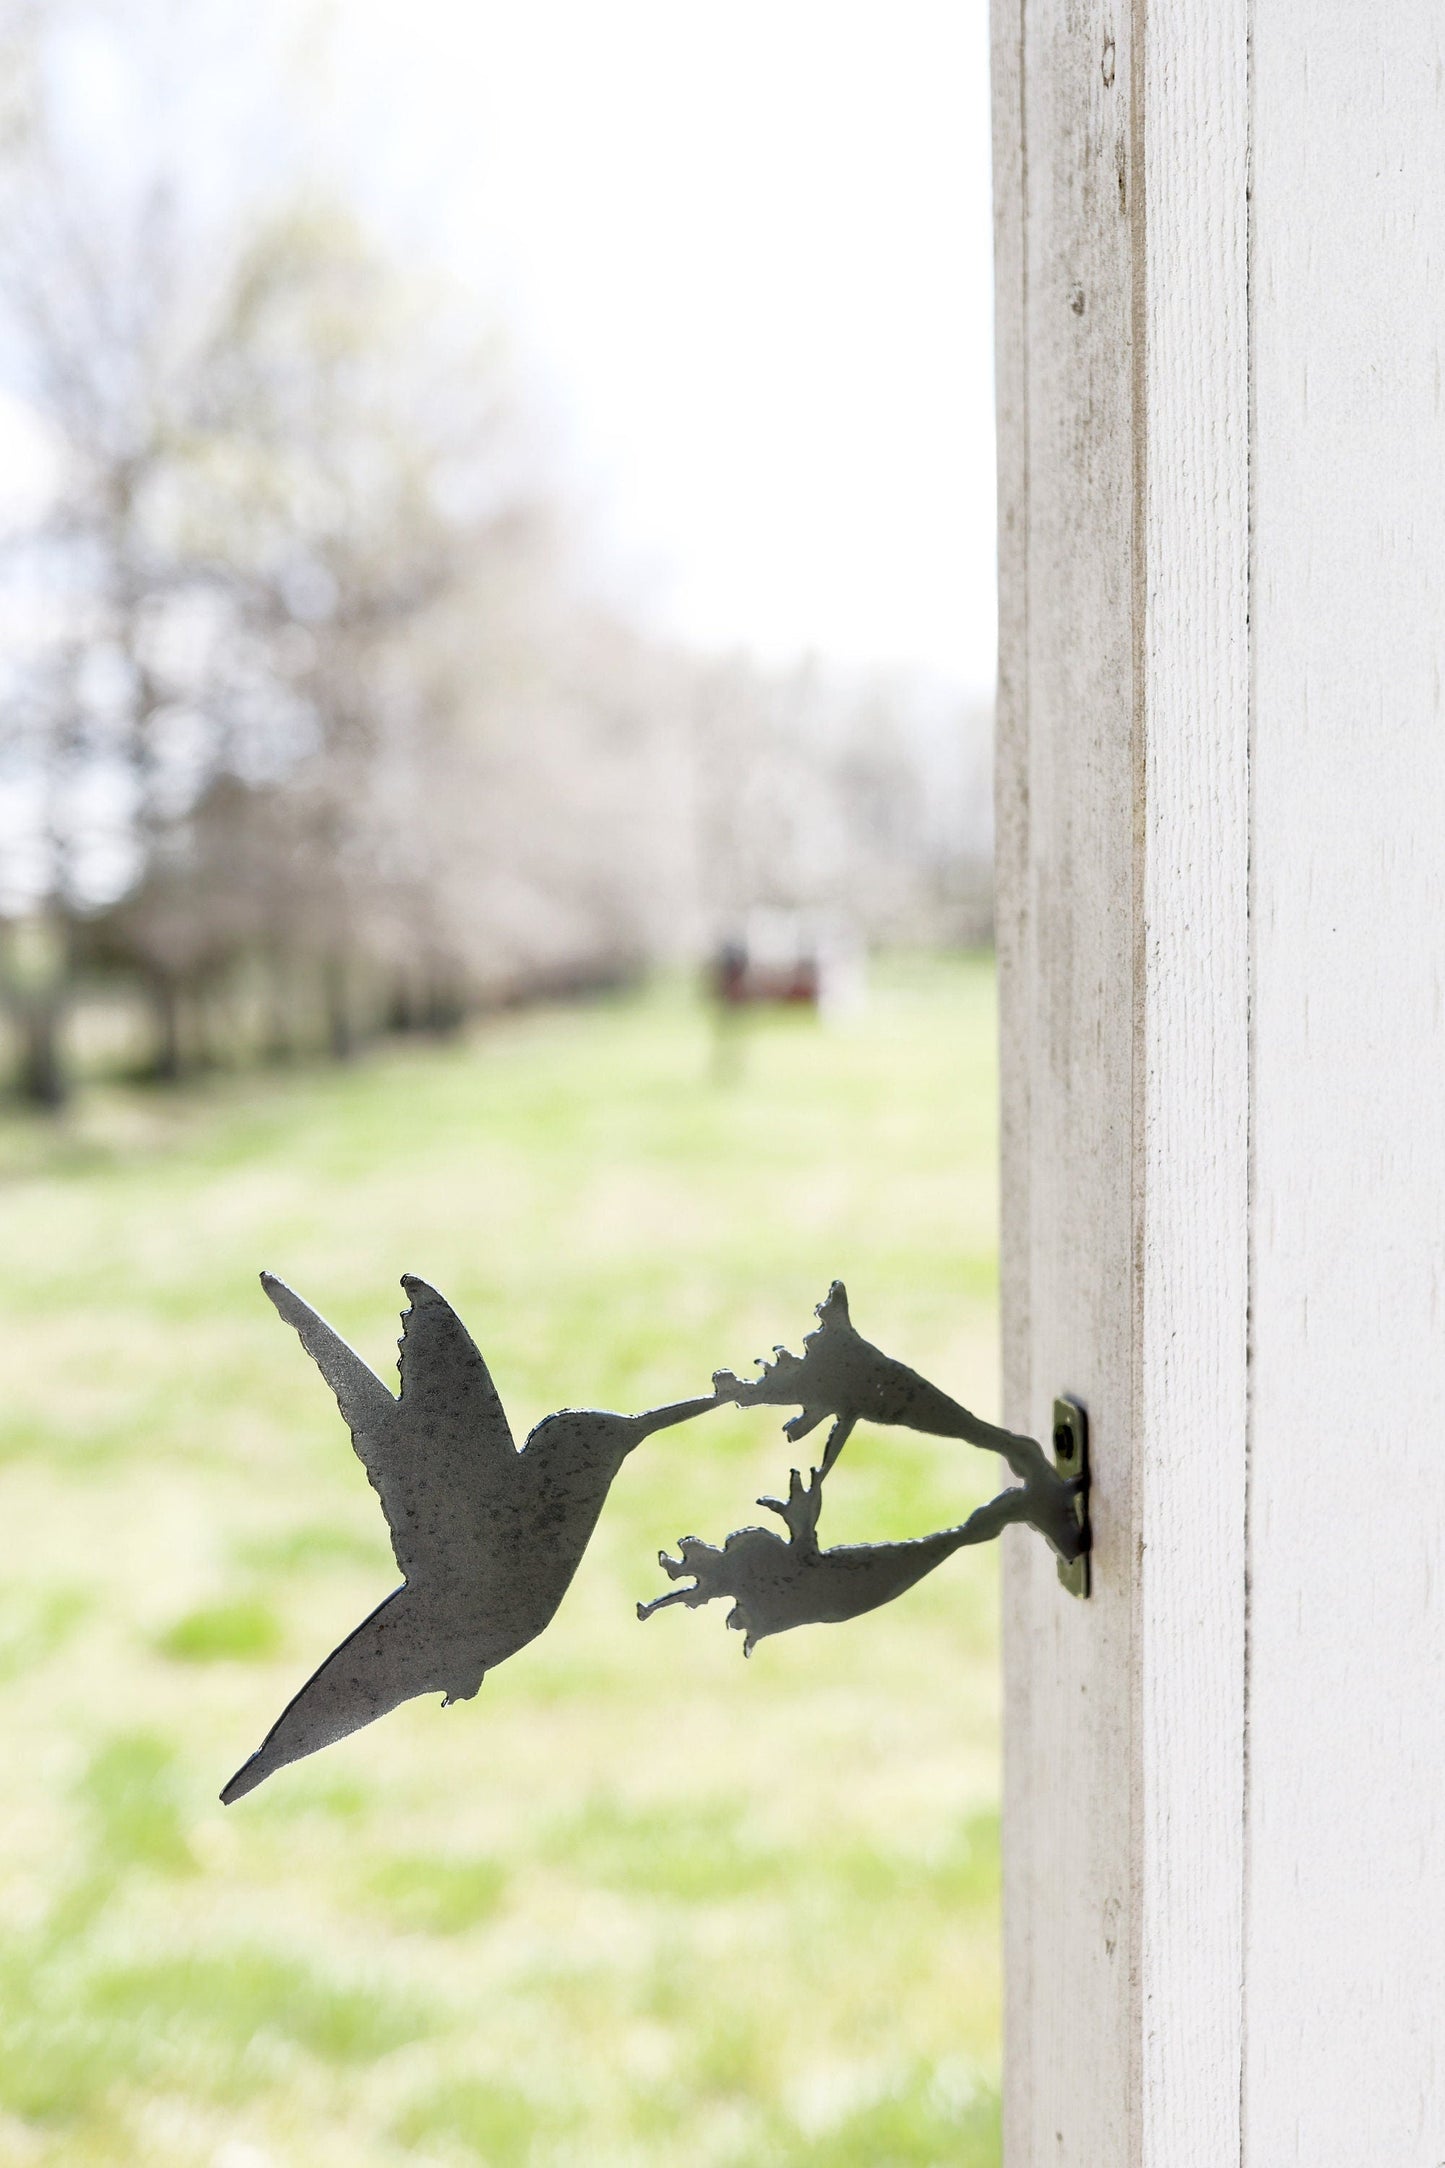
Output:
(391, 1658)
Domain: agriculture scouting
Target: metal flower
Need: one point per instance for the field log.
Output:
(842, 1375)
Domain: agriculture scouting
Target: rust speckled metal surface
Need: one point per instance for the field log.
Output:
(487, 1537)
(776, 1584)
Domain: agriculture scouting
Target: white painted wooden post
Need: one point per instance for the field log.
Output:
(1221, 286)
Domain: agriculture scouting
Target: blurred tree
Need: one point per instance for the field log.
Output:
(273, 458)
(309, 729)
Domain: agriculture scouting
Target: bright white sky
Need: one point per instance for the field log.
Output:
(743, 251)
(747, 246)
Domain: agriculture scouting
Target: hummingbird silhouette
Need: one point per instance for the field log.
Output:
(487, 1537)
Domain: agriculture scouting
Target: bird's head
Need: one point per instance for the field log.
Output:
(588, 1435)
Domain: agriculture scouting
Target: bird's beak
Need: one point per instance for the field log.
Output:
(679, 1411)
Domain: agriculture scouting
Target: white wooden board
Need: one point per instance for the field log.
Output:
(1124, 955)
(1222, 949)
(1345, 1974)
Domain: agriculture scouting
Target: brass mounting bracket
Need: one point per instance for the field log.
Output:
(1071, 1460)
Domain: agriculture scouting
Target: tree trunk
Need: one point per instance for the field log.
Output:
(336, 999)
(200, 1005)
(40, 1077)
(168, 1060)
(446, 1010)
(38, 973)
(401, 1007)
(278, 1031)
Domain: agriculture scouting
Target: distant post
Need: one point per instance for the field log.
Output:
(1221, 309)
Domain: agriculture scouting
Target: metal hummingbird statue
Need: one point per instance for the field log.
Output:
(487, 1538)
(776, 1584)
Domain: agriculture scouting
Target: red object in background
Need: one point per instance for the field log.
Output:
(738, 981)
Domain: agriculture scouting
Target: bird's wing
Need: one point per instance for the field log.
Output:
(369, 1410)
(457, 1449)
(392, 1657)
(430, 1454)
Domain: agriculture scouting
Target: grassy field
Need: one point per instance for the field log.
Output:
(640, 1902)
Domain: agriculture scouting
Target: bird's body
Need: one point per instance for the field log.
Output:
(487, 1537)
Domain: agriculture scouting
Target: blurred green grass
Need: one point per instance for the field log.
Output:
(640, 1902)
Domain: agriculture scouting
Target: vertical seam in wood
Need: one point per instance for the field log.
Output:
(1139, 591)
(1017, 910)
(1246, 1796)
(1025, 444)
(1023, 715)
(1022, 726)
(1021, 721)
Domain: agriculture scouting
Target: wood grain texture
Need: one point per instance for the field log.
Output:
(1013, 924)
(1345, 1981)
(1192, 1081)
(1123, 351)
(1067, 895)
